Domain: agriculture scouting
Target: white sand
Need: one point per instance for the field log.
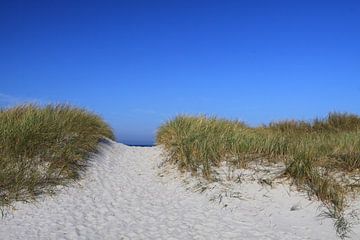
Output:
(124, 195)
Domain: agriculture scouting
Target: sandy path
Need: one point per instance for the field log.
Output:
(122, 196)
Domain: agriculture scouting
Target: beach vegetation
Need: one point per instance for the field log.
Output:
(42, 147)
(314, 152)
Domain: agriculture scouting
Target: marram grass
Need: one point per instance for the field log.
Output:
(311, 150)
(41, 147)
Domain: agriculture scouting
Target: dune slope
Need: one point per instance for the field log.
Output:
(126, 195)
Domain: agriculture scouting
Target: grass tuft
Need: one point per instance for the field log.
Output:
(313, 151)
(41, 147)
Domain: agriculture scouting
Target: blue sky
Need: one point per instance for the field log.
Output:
(139, 63)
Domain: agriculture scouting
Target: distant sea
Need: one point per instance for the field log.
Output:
(136, 145)
(136, 142)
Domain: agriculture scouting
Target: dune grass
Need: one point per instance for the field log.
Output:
(312, 151)
(44, 146)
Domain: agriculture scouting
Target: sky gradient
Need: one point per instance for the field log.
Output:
(140, 63)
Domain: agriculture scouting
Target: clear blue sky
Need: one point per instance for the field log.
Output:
(139, 63)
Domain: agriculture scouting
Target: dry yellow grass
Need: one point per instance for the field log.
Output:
(312, 151)
(41, 147)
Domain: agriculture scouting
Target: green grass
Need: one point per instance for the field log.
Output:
(42, 147)
(313, 151)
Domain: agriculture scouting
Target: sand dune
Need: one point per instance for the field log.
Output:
(125, 194)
